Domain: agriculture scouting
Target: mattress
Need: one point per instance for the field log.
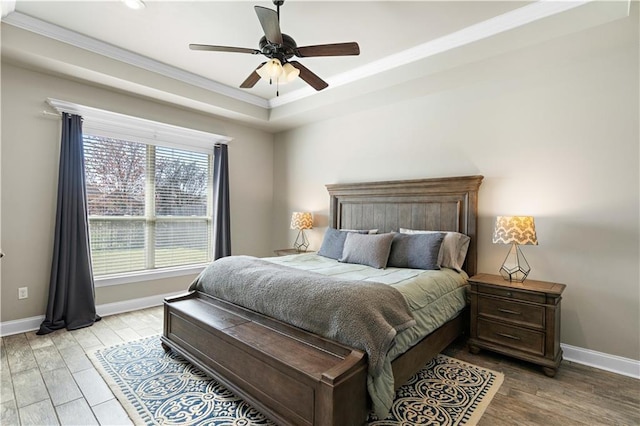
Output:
(434, 297)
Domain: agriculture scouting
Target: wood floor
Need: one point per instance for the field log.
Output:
(48, 380)
(577, 395)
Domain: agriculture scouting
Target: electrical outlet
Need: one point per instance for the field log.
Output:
(23, 292)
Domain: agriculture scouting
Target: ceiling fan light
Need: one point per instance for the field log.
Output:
(274, 68)
(290, 72)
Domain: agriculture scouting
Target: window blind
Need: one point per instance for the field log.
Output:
(149, 206)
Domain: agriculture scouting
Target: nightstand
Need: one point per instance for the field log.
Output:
(521, 320)
(288, 251)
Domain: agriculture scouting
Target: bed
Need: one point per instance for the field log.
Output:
(296, 377)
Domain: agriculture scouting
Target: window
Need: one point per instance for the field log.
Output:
(149, 206)
(149, 194)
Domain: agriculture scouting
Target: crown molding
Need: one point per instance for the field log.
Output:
(64, 35)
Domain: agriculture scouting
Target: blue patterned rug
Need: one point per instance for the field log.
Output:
(159, 388)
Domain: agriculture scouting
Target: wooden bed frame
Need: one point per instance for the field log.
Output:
(298, 378)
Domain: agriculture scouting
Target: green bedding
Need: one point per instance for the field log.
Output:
(434, 297)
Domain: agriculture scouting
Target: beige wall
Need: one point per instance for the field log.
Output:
(554, 130)
(30, 145)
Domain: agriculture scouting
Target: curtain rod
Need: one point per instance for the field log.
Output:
(49, 114)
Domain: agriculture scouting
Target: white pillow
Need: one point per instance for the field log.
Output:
(453, 250)
(369, 231)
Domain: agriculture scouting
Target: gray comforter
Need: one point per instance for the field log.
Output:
(359, 314)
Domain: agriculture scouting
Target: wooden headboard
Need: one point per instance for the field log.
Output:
(439, 204)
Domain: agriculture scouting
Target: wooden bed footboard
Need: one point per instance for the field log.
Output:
(293, 377)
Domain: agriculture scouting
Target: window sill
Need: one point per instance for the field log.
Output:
(149, 275)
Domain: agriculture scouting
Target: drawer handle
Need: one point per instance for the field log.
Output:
(509, 294)
(508, 311)
(509, 336)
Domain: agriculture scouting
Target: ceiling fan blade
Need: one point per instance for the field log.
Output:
(212, 48)
(308, 76)
(253, 78)
(270, 24)
(336, 49)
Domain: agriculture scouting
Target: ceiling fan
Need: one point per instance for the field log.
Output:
(279, 48)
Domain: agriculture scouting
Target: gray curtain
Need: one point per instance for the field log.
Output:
(221, 212)
(71, 302)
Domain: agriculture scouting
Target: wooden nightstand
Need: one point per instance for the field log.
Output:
(517, 319)
(288, 251)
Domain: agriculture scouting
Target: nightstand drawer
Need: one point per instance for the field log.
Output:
(513, 294)
(514, 312)
(510, 336)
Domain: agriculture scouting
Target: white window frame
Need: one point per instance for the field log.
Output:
(98, 122)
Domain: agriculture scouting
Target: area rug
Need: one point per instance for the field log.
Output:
(161, 388)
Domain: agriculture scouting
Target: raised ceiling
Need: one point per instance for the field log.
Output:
(394, 36)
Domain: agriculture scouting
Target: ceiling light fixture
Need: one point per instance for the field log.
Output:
(273, 70)
(135, 4)
(290, 72)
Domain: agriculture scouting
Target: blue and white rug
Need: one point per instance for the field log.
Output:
(161, 388)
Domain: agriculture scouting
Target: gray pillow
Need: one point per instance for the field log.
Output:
(333, 242)
(416, 251)
(454, 247)
(367, 249)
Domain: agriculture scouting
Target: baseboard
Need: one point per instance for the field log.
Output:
(7, 328)
(615, 364)
(24, 325)
(133, 305)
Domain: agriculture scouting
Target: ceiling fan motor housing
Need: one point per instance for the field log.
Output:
(282, 52)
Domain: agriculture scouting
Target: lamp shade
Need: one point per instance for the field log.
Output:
(301, 220)
(271, 69)
(515, 229)
(290, 72)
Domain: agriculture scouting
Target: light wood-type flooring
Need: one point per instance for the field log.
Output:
(48, 380)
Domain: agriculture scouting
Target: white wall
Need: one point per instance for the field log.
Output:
(554, 130)
(30, 150)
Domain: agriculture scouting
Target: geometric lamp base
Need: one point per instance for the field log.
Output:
(515, 266)
(301, 243)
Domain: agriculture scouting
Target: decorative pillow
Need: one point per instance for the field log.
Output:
(453, 250)
(416, 251)
(333, 242)
(361, 231)
(367, 249)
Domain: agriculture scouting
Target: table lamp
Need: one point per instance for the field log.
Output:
(517, 230)
(301, 221)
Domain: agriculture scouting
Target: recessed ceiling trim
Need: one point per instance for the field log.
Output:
(493, 26)
(508, 21)
(55, 32)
